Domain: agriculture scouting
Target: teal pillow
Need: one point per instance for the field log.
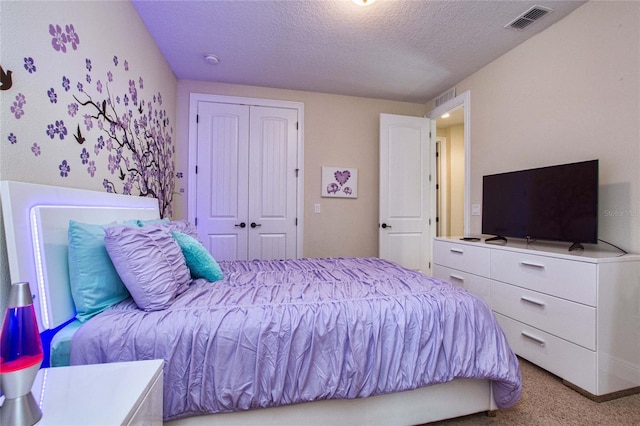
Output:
(94, 281)
(142, 223)
(199, 261)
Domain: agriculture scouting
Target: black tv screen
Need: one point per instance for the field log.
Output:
(556, 203)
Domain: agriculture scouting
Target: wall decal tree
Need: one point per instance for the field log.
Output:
(139, 144)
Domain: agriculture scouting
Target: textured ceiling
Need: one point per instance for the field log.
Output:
(398, 50)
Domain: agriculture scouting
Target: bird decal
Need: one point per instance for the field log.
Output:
(5, 79)
(79, 138)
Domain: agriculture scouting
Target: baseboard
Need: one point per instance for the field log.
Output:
(605, 397)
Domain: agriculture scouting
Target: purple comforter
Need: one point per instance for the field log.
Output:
(281, 332)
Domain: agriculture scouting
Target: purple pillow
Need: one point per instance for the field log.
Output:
(150, 263)
(182, 226)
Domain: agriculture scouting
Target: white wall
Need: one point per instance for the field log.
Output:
(570, 93)
(113, 53)
(339, 131)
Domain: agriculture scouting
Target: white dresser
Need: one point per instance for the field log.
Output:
(124, 393)
(575, 314)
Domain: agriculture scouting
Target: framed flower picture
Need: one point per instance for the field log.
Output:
(339, 182)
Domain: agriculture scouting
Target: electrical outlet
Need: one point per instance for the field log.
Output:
(316, 208)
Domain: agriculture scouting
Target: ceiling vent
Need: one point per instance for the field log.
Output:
(446, 96)
(528, 17)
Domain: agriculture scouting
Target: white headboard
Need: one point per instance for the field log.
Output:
(36, 220)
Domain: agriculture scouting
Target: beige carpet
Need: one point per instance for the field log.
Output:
(546, 401)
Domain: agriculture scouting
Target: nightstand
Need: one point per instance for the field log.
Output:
(124, 393)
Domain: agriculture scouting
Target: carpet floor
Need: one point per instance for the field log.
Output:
(546, 401)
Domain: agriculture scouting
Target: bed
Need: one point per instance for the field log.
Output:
(364, 318)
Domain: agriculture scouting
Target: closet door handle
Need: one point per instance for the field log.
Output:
(241, 225)
(385, 226)
(255, 225)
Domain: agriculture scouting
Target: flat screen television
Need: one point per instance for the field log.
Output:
(555, 203)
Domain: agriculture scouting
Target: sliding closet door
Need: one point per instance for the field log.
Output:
(247, 181)
(222, 205)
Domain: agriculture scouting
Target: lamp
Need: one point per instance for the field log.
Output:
(20, 358)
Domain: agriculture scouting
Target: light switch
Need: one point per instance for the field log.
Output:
(475, 209)
(316, 208)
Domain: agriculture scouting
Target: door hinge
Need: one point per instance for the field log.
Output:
(195, 221)
(429, 222)
(429, 265)
(297, 125)
(296, 221)
(429, 178)
(197, 118)
(297, 172)
(196, 169)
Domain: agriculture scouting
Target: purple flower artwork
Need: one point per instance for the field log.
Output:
(339, 182)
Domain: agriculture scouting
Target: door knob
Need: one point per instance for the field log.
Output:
(255, 225)
(385, 226)
(240, 225)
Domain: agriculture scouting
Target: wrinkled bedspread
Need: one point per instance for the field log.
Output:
(281, 332)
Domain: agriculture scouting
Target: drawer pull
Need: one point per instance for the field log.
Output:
(533, 265)
(456, 277)
(534, 338)
(532, 301)
(458, 251)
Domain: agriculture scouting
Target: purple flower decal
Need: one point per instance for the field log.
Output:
(140, 83)
(66, 84)
(61, 130)
(110, 76)
(16, 108)
(64, 168)
(29, 65)
(59, 38)
(53, 97)
(115, 61)
(92, 168)
(87, 122)
(35, 148)
(88, 64)
(126, 100)
(107, 185)
(126, 65)
(51, 131)
(99, 86)
(12, 139)
(84, 156)
(88, 78)
(72, 109)
(72, 36)
(133, 92)
(113, 163)
(179, 175)
(80, 87)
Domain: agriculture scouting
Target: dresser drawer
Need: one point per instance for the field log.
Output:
(573, 363)
(567, 279)
(571, 321)
(475, 284)
(463, 257)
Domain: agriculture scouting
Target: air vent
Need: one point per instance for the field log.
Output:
(446, 96)
(528, 17)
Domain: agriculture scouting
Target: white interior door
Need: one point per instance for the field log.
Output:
(407, 195)
(222, 179)
(272, 183)
(246, 181)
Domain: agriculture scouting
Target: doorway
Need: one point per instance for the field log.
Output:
(453, 166)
